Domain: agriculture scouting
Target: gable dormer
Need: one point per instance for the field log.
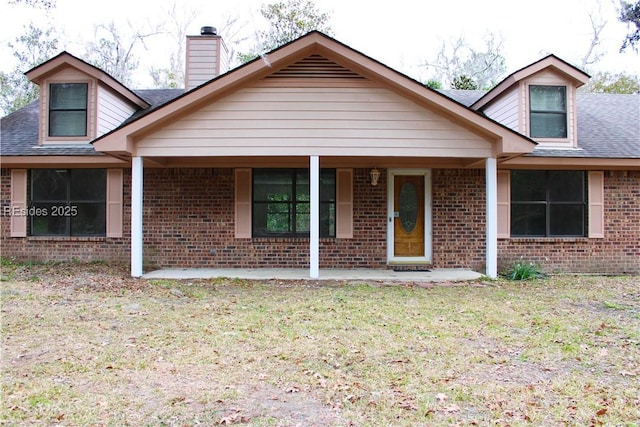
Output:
(538, 101)
(79, 102)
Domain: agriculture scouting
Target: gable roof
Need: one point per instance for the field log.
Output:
(40, 72)
(570, 72)
(313, 43)
(19, 130)
(608, 124)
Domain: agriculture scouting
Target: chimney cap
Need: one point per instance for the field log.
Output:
(208, 31)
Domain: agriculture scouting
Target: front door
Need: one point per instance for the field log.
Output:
(408, 216)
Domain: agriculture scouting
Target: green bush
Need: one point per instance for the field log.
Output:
(523, 271)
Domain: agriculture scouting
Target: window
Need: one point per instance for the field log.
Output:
(281, 202)
(548, 203)
(548, 111)
(68, 202)
(68, 109)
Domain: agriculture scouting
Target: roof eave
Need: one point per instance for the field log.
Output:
(577, 76)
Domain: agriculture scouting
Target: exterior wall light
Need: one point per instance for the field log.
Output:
(375, 175)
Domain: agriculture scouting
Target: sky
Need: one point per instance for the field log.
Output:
(403, 34)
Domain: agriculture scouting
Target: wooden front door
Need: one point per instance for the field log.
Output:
(408, 216)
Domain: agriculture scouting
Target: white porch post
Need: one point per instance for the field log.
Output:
(314, 221)
(136, 216)
(492, 217)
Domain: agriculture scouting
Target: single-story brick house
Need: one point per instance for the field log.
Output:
(318, 156)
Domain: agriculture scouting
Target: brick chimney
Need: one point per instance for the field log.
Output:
(207, 57)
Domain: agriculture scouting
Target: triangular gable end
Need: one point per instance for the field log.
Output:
(313, 61)
(39, 73)
(550, 62)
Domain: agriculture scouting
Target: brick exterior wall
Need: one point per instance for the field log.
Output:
(617, 253)
(189, 222)
(459, 218)
(62, 249)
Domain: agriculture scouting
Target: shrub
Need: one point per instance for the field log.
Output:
(523, 271)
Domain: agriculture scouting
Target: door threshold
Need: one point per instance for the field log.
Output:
(411, 268)
(408, 262)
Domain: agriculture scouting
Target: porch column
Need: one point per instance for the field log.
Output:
(136, 216)
(492, 217)
(314, 220)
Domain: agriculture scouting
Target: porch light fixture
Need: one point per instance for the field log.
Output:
(375, 175)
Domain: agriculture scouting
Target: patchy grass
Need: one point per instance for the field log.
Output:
(85, 345)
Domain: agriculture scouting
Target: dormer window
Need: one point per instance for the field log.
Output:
(68, 109)
(548, 111)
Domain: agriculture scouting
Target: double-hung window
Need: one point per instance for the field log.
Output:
(548, 203)
(68, 109)
(548, 111)
(281, 203)
(67, 202)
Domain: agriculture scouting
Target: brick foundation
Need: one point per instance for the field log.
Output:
(189, 222)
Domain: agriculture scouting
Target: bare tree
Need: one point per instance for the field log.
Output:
(38, 4)
(481, 68)
(180, 18)
(113, 49)
(593, 55)
(233, 29)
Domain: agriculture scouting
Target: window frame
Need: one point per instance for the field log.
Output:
(64, 208)
(564, 113)
(548, 204)
(51, 110)
(328, 202)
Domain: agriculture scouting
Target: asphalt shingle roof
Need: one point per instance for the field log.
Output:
(19, 130)
(608, 126)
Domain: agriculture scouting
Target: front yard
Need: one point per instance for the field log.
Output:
(86, 345)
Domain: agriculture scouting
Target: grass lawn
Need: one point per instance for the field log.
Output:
(86, 345)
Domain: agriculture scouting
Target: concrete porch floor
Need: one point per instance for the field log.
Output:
(434, 275)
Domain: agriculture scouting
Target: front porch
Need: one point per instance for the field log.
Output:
(350, 275)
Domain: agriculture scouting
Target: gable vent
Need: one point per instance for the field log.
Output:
(318, 67)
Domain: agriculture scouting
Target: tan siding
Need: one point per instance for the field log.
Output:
(505, 110)
(112, 111)
(206, 58)
(323, 121)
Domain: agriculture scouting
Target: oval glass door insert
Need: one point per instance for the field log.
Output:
(408, 206)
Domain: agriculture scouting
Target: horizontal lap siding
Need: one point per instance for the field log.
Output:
(505, 110)
(321, 121)
(112, 111)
